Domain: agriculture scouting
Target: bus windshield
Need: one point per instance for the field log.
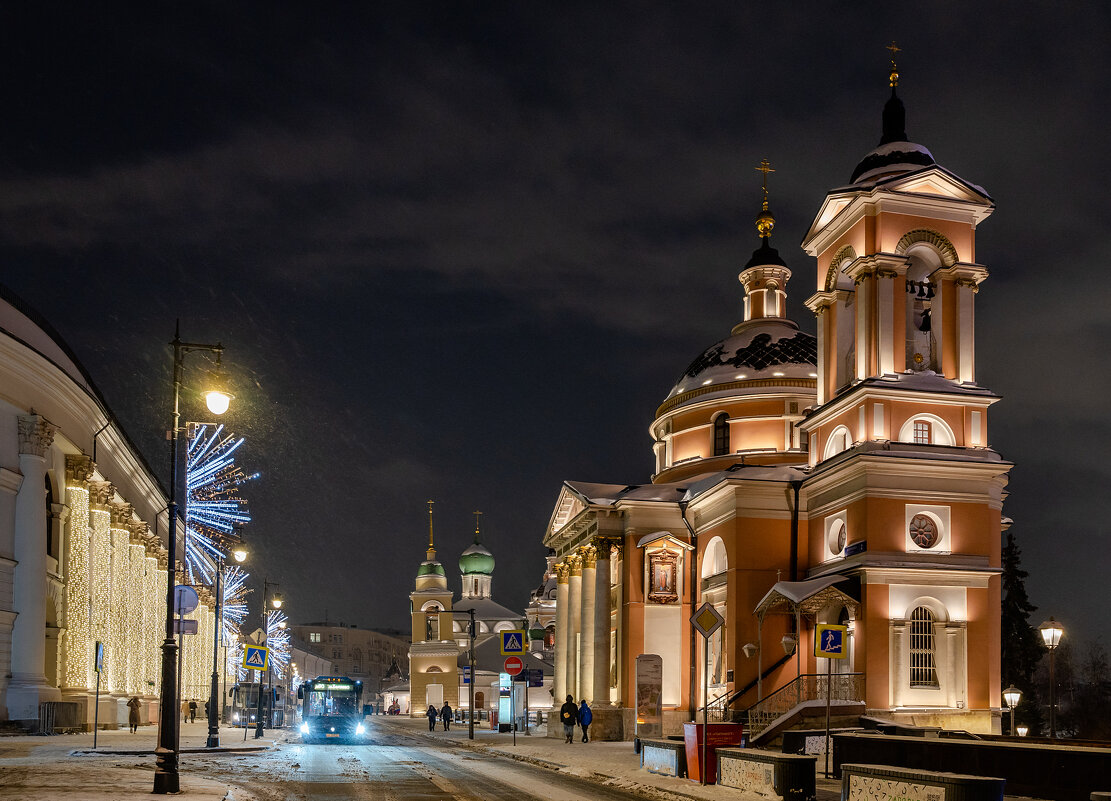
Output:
(333, 699)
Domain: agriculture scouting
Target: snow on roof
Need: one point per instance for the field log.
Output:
(486, 609)
(610, 494)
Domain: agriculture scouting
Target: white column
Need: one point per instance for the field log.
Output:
(28, 684)
(965, 324)
(574, 624)
(602, 655)
(824, 359)
(863, 343)
(559, 682)
(586, 626)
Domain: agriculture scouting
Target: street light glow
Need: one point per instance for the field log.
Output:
(1052, 632)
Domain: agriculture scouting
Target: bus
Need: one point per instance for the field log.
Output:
(243, 710)
(330, 710)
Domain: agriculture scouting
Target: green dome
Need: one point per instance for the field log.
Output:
(430, 569)
(476, 559)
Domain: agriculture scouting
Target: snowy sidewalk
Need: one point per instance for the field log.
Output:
(612, 764)
(65, 768)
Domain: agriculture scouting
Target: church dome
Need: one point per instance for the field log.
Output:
(430, 568)
(759, 349)
(894, 154)
(476, 559)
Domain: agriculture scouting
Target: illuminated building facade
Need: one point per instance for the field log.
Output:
(80, 559)
(843, 478)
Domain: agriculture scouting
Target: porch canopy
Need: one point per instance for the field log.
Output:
(798, 598)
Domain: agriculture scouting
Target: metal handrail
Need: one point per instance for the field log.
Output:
(807, 687)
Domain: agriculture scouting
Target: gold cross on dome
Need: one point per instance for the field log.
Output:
(893, 78)
(765, 167)
(476, 515)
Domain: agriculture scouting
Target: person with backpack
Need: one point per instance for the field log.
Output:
(569, 716)
(431, 714)
(585, 716)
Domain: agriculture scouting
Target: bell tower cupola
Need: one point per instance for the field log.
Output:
(765, 275)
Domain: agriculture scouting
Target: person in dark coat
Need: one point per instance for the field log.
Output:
(431, 715)
(133, 713)
(569, 716)
(585, 716)
(445, 715)
(192, 711)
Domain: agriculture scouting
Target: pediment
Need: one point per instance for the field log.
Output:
(939, 182)
(568, 506)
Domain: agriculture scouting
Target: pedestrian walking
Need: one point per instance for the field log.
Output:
(192, 711)
(569, 716)
(133, 713)
(184, 711)
(585, 716)
(445, 716)
(431, 715)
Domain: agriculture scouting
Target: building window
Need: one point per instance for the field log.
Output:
(921, 432)
(336, 653)
(923, 672)
(354, 668)
(314, 636)
(721, 434)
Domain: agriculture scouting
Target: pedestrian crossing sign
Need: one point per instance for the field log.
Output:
(513, 642)
(256, 657)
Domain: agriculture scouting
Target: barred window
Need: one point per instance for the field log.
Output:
(923, 672)
(922, 432)
(721, 434)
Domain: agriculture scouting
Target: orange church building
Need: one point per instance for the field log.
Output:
(844, 478)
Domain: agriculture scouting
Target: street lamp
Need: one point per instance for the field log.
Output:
(276, 602)
(1022, 731)
(166, 778)
(1012, 695)
(1052, 632)
(239, 554)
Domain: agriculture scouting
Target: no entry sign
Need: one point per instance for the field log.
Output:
(514, 665)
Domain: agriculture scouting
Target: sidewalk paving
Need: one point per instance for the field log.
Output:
(613, 764)
(64, 767)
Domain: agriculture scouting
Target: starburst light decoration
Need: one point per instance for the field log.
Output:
(277, 640)
(213, 506)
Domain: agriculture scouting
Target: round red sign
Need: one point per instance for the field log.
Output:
(514, 665)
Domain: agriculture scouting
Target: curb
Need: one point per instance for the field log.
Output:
(221, 750)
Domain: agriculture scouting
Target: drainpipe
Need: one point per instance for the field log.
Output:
(107, 423)
(794, 567)
(692, 693)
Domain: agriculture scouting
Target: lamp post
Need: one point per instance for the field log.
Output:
(166, 778)
(1052, 632)
(471, 631)
(1012, 695)
(239, 554)
(277, 603)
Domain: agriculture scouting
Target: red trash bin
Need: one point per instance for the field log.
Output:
(724, 735)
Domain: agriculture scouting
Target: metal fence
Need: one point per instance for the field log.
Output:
(808, 687)
(58, 717)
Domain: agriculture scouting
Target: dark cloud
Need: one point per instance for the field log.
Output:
(461, 251)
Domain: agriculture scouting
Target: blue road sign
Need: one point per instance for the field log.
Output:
(513, 643)
(256, 657)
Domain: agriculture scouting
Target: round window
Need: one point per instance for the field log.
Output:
(923, 530)
(837, 537)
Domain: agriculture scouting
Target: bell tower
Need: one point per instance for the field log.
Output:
(904, 494)
(433, 654)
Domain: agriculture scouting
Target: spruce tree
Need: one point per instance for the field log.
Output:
(1022, 647)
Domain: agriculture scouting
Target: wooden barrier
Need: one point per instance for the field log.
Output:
(885, 783)
(786, 776)
(666, 757)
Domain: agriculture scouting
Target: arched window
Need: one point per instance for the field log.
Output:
(927, 429)
(721, 434)
(923, 670)
(838, 441)
(714, 560)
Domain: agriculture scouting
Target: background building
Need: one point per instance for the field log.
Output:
(362, 654)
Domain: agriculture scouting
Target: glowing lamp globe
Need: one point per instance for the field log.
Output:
(1012, 695)
(239, 554)
(281, 624)
(277, 601)
(217, 402)
(1051, 632)
(1022, 730)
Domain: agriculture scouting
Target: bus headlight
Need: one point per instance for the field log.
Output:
(235, 717)
(360, 729)
(304, 728)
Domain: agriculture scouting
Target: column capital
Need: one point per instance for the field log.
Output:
(100, 492)
(576, 563)
(562, 571)
(139, 531)
(589, 555)
(603, 545)
(121, 514)
(79, 469)
(35, 434)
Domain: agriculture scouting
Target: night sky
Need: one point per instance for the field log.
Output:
(463, 251)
